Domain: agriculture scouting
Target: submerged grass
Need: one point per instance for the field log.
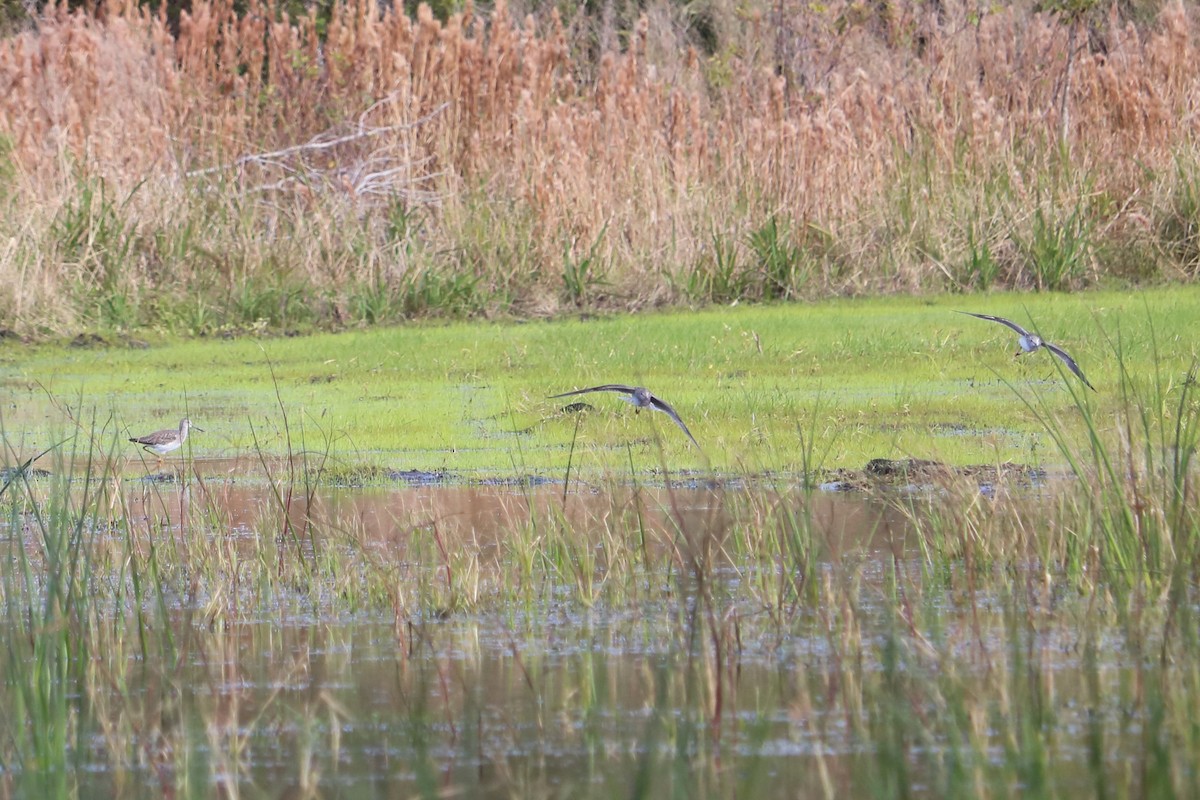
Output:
(788, 387)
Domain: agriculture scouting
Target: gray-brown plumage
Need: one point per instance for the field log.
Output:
(162, 442)
(641, 398)
(1030, 342)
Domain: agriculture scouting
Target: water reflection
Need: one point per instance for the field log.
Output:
(588, 705)
(482, 516)
(714, 673)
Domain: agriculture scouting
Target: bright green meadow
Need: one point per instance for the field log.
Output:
(785, 388)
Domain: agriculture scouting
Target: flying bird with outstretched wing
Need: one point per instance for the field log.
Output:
(641, 398)
(1031, 342)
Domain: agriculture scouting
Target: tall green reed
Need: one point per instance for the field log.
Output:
(1135, 466)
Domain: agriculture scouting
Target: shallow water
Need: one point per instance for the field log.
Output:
(679, 687)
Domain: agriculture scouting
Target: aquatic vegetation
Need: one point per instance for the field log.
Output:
(623, 636)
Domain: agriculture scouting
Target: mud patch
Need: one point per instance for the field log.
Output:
(359, 476)
(420, 477)
(521, 481)
(10, 474)
(888, 472)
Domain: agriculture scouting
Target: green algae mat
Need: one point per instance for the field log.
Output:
(783, 388)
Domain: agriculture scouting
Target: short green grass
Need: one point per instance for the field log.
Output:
(780, 387)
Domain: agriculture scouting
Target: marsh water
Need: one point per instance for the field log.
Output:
(710, 671)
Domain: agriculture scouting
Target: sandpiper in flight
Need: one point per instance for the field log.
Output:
(1030, 342)
(641, 398)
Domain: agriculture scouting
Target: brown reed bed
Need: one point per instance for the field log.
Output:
(258, 170)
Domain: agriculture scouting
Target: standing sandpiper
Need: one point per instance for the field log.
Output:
(162, 442)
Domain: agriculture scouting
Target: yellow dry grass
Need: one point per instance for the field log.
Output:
(248, 148)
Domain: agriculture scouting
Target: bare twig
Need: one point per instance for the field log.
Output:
(318, 143)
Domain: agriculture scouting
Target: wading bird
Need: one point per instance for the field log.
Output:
(641, 398)
(1030, 342)
(162, 442)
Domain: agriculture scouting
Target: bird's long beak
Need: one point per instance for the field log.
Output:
(197, 429)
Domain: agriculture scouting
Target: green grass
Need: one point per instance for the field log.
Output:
(780, 387)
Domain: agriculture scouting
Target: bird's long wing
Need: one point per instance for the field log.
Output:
(158, 437)
(608, 387)
(1001, 320)
(665, 407)
(1070, 362)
